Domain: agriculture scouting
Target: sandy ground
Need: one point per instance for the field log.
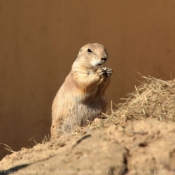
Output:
(141, 147)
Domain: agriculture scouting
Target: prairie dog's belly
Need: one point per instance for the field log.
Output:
(81, 114)
(77, 111)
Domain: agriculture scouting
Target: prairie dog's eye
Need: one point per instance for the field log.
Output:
(89, 50)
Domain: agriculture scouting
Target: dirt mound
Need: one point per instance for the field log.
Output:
(142, 147)
(137, 138)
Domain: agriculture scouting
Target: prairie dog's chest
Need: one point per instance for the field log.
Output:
(92, 94)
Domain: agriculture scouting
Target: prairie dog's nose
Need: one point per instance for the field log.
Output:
(104, 59)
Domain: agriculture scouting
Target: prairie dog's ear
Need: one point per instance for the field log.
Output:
(80, 50)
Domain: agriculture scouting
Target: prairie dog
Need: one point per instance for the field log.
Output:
(81, 98)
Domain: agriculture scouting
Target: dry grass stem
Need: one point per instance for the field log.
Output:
(154, 98)
(7, 148)
(33, 138)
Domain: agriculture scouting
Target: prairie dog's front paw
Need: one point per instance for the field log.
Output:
(101, 72)
(108, 72)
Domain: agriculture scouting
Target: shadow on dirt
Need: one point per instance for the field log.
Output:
(13, 170)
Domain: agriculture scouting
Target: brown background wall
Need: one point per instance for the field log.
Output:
(40, 39)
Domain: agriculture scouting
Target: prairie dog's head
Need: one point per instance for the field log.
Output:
(91, 56)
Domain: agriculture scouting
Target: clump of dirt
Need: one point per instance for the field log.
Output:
(137, 138)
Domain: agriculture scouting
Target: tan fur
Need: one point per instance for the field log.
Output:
(81, 97)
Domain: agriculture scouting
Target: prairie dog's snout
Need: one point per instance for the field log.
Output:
(104, 59)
